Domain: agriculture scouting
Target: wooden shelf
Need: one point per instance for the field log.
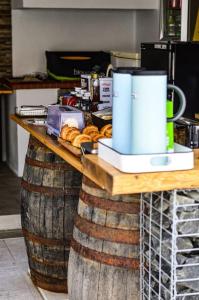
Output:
(110, 178)
(87, 4)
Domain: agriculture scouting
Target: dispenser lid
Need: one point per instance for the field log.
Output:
(150, 72)
(127, 70)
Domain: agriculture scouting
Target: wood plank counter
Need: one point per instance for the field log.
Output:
(39, 132)
(5, 92)
(111, 179)
(5, 89)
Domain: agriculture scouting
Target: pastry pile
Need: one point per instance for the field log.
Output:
(90, 133)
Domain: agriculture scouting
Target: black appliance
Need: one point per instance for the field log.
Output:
(64, 65)
(181, 61)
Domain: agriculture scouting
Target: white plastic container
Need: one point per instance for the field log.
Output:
(181, 159)
(125, 59)
(106, 87)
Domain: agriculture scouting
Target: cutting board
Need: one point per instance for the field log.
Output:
(76, 151)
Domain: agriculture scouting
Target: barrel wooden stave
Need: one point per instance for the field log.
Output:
(49, 197)
(119, 249)
(97, 281)
(51, 178)
(104, 255)
(92, 189)
(112, 219)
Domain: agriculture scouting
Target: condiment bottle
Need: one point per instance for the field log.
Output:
(95, 97)
(171, 24)
(86, 108)
(79, 100)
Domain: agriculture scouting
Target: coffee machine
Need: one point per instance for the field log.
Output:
(139, 111)
(181, 62)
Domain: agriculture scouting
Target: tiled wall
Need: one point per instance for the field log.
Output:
(5, 39)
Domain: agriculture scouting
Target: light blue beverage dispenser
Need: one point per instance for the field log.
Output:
(148, 111)
(122, 90)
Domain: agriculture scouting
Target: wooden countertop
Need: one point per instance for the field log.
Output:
(5, 89)
(5, 92)
(111, 179)
(39, 132)
(19, 84)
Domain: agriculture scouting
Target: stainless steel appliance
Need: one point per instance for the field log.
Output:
(187, 132)
(181, 61)
(60, 115)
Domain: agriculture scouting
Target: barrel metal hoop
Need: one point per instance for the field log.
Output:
(97, 231)
(44, 241)
(49, 190)
(35, 142)
(48, 165)
(58, 285)
(47, 262)
(112, 260)
(47, 277)
(116, 206)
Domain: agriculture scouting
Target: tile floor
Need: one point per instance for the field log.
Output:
(9, 191)
(10, 223)
(15, 283)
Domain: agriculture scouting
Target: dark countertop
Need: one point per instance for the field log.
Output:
(18, 83)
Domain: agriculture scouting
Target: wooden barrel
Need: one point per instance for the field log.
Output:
(49, 197)
(104, 254)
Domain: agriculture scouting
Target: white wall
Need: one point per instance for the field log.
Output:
(147, 27)
(35, 31)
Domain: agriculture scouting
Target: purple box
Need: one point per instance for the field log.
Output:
(59, 116)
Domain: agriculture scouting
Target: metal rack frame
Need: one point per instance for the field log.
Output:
(165, 265)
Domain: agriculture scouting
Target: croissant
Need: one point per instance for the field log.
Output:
(97, 137)
(106, 130)
(65, 130)
(92, 134)
(90, 128)
(81, 138)
(72, 134)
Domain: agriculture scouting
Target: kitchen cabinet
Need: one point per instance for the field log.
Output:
(86, 4)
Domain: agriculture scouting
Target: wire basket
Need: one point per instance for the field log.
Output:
(169, 242)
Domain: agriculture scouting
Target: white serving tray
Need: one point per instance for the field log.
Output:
(31, 111)
(181, 159)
